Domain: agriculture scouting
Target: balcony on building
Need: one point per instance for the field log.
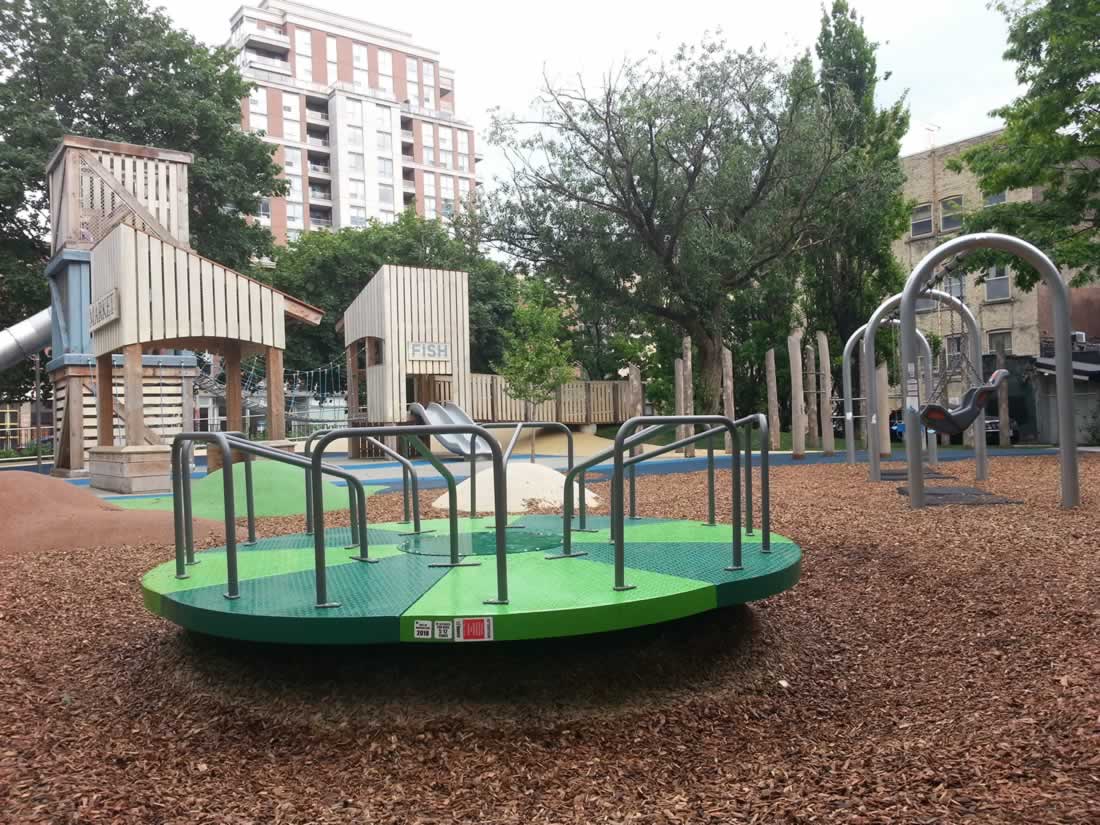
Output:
(317, 137)
(320, 194)
(266, 60)
(261, 35)
(319, 166)
(446, 99)
(320, 217)
(406, 130)
(317, 111)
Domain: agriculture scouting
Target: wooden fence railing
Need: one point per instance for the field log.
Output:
(578, 402)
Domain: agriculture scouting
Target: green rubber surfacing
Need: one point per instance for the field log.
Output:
(676, 567)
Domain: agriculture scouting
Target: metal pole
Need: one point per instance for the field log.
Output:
(452, 504)
(765, 491)
(473, 481)
(405, 493)
(735, 471)
(38, 418)
(250, 502)
(177, 511)
(710, 483)
(353, 520)
(633, 493)
(748, 478)
(581, 504)
(188, 520)
(233, 590)
(846, 380)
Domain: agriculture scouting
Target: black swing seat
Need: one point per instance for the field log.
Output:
(954, 422)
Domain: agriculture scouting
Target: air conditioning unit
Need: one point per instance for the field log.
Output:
(1080, 338)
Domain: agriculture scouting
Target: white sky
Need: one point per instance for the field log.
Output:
(946, 53)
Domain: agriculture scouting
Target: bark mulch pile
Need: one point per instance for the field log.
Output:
(932, 666)
(42, 514)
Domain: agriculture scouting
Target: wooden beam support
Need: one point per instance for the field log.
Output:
(134, 393)
(773, 401)
(104, 401)
(727, 393)
(234, 392)
(276, 398)
(72, 437)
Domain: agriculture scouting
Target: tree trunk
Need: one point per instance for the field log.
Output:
(825, 366)
(709, 368)
(727, 393)
(773, 401)
(812, 439)
(689, 393)
(798, 400)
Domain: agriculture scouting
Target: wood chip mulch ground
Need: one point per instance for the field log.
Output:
(938, 666)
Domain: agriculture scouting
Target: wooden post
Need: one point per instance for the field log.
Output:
(104, 400)
(352, 353)
(234, 394)
(588, 402)
(826, 384)
(727, 393)
(798, 400)
(774, 436)
(678, 387)
(276, 398)
(134, 389)
(882, 375)
(558, 405)
(689, 393)
(74, 420)
(813, 436)
(1005, 436)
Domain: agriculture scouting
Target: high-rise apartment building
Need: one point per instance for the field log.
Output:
(363, 118)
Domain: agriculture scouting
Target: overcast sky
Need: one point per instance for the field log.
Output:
(945, 53)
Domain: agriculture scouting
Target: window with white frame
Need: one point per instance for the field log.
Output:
(920, 221)
(951, 210)
(295, 182)
(385, 195)
(294, 213)
(359, 55)
(462, 162)
(293, 234)
(412, 80)
(355, 162)
(446, 195)
(257, 122)
(265, 209)
(1000, 337)
(429, 84)
(357, 190)
(463, 189)
(355, 136)
(358, 215)
(429, 185)
(292, 160)
(382, 117)
(385, 142)
(292, 110)
(445, 146)
(951, 351)
(385, 70)
(257, 101)
(995, 198)
(355, 111)
(385, 168)
(955, 285)
(997, 284)
(429, 207)
(303, 54)
(360, 79)
(468, 137)
(332, 69)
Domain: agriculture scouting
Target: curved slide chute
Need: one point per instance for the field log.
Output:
(20, 341)
(437, 415)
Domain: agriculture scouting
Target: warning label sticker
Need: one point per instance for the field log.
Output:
(422, 629)
(444, 630)
(474, 630)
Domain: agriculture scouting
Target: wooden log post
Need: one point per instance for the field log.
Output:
(882, 375)
(234, 391)
(689, 393)
(1004, 438)
(798, 399)
(727, 394)
(73, 425)
(104, 401)
(828, 442)
(134, 389)
(774, 436)
(813, 435)
(276, 397)
(355, 445)
(678, 389)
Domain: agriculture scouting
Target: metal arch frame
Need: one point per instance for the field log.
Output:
(849, 406)
(1063, 358)
(413, 430)
(874, 460)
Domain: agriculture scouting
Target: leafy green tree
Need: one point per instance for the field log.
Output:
(536, 361)
(118, 70)
(674, 187)
(328, 269)
(1051, 140)
(848, 272)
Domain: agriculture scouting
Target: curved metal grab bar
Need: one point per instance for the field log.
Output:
(180, 481)
(543, 425)
(499, 491)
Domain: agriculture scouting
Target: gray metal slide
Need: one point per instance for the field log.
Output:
(436, 415)
(20, 341)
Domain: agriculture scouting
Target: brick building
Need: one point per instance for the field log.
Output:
(363, 118)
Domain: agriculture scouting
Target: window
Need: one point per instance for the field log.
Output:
(920, 222)
(355, 135)
(446, 186)
(305, 68)
(357, 190)
(429, 185)
(429, 97)
(951, 213)
(385, 70)
(463, 162)
(293, 234)
(952, 349)
(359, 56)
(295, 182)
(996, 284)
(1001, 337)
(292, 160)
(257, 101)
(385, 168)
(429, 207)
(294, 213)
(257, 122)
(413, 92)
(330, 59)
(429, 154)
(445, 158)
(469, 138)
(428, 132)
(429, 72)
(463, 189)
(355, 162)
(292, 107)
(265, 208)
(359, 79)
(955, 285)
(995, 198)
(412, 68)
(355, 111)
(385, 142)
(385, 195)
(386, 215)
(358, 216)
(303, 51)
(382, 117)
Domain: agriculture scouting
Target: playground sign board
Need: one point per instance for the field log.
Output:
(429, 351)
(103, 311)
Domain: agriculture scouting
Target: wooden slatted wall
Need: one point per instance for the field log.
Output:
(166, 292)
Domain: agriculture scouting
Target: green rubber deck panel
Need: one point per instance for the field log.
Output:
(278, 490)
(676, 567)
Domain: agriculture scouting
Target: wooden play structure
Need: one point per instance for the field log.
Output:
(137, 295)
(407, 339)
